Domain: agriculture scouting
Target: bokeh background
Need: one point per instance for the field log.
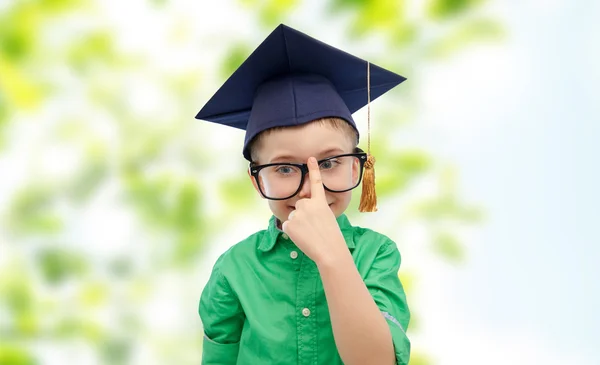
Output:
(115, 202)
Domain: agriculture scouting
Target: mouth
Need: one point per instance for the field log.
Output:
(294, 208)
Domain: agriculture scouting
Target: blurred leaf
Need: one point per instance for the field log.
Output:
(19, 31)
(385, 18)
(382, 15)
(91, 175)
(139, 289)
(187, 206)
(16, 88)
(90, 330)
(188, 245)
(120, 267)
(171, 204)
(93, 294)
(389, 183)
(58, 264)
(93, 49)
(137, 154)
(16, 291)
(4, 118)
(31, 211)
(188, 221)
(414, 325)
(448, 246)
(26, 324)
(166, 201)
(398, 169)
(236, 55)
(441, 9)
(418, 358)
(116, 351)
(149, 196)
(465, 34)
(54, 6)
(446, 206)
(410, 162)
(341, 4)
(79, 325)
(87, 181)
(13, 354)
(184, 84)
(159, 3)
(40, 223)
(237, 192)
(273, 11)
(408, 280)
(270, 12)
(404, 34)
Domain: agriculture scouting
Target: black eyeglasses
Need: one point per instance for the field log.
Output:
(280, 181)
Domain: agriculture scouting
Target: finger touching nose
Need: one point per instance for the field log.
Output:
(305, 189)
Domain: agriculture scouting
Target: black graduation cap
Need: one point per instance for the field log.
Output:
(292, 79)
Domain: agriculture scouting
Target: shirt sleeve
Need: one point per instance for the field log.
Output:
(384, 285)
(222, 316)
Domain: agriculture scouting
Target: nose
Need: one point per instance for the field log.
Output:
(305, 190)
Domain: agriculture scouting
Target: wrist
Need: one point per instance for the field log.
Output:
(334, 258)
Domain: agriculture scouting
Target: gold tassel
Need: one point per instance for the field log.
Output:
(368, 198)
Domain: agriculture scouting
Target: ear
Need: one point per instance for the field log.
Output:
(254, 183)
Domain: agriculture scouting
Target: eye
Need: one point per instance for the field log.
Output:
(285, 170)
(329, 164)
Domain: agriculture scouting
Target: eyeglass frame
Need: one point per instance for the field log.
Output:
(359, 153)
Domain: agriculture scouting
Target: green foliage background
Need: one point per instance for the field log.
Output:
(110, 203)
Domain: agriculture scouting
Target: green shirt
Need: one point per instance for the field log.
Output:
(265, 304)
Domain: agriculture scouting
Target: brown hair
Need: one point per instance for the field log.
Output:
(336, 123)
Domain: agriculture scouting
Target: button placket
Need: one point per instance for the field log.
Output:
(306, 324)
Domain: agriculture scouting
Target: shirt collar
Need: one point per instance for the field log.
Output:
(273, 233)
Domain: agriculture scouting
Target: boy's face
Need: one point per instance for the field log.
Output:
(296, 145)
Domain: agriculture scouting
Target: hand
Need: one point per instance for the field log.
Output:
(313, 226)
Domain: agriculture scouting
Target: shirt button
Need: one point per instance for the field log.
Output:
(306, 312)
(285, 236)
(294, 255)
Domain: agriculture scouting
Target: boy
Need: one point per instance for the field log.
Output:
(312, 288)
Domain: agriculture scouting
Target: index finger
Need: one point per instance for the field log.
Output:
(316, 183)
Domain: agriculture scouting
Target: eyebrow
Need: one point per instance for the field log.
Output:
(283, 158)
(330, 152)
(323, 154)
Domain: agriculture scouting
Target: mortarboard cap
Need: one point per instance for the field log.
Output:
(292, 79)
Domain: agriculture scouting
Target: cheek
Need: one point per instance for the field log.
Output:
(277, 204)
(280, 208)
(340, 201)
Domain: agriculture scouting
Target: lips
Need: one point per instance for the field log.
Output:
(294, 208)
